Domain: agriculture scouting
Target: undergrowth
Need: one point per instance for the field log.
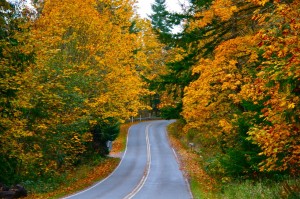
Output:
(206, 183)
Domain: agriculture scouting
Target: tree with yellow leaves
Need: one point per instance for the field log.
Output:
(16, 58)
(82, 84)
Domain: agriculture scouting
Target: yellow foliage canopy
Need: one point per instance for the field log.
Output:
(84, 71)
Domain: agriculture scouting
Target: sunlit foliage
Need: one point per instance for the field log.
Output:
(248, 87)
(68, 78)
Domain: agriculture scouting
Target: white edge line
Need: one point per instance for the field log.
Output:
(176, 157)
(145, 177)
(178, 162)
(85, 190)
(185, 179)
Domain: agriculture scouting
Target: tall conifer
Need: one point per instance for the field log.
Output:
(159, 18)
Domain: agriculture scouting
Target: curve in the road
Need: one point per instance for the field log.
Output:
(165, 180)
(148, 168)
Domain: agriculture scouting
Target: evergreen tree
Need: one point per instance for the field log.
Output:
(159, 18)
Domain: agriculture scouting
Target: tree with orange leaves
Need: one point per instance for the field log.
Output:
(249, 84)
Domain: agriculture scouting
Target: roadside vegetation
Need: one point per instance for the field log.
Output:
(206, 183)
(94, 169)
(235, 88)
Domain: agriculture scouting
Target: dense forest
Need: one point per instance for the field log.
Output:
(235, 90)
(237, 85)
(73, 71)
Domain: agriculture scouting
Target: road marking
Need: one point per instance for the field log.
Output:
(184, 177)
(176, 157)
(76, 194)
(147, 169)
(179, 164)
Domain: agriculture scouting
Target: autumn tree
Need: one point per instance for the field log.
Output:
(277, 87)
(210, 105)
(89, 67)
(16, 59)
(82, 84)
(237, 98)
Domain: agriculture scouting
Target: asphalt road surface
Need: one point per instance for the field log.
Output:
(148, 169)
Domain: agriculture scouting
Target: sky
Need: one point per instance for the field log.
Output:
(23, 3)
(145, 6)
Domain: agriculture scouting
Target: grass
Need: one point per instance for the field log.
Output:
(269, 189)
(206, 187)
(197, 190)
(81, 177)
(250, 189)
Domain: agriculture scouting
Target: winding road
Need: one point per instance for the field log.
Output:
(148, 169)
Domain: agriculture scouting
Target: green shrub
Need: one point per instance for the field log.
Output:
(105, 130)
(170, 112)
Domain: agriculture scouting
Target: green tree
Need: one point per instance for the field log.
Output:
(16, 57)
(159, 18)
